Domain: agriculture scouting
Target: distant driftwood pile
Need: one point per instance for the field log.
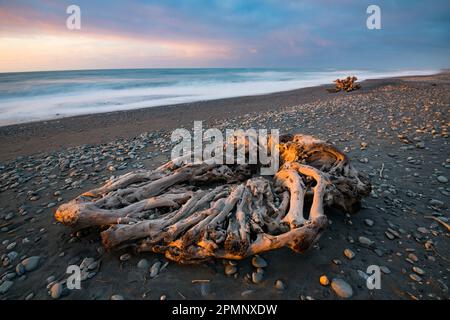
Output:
(195, 212)
(348, 84)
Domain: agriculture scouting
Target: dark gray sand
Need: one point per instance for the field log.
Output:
(395, 130)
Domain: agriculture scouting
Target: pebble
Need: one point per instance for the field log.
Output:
(442, 179)
(259, 262)
(11, 246)
(418, 270)
(389, 235)
(257, 277)
(365, 241)
(117, 297)
(385, 270)
(20, 269)
(230, 270)
(29, 296)
(413, 257)
(368, 222)
(5, 286)
(154, 270)
(324, 280)
(415, 277)
(31, 263)
(56, 290)
(125, 257)
(86, 263)
(279, 285)
(143, 264)
(349, 254)
(163, 297)
(341, 288)
(422, 230)
(246, 293)
(51, 279)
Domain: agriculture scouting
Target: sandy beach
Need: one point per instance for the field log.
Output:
(395, 130)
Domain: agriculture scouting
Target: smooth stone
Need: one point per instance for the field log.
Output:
(365, 241)
(12, 255)
(257, 277)
(324, 280)
(230, 269)
(11, 246)
(56, 290)
(5, 286)
(259, 262)
(442, 179)
(31, 263)
(29, 296)
(341, 288)
(436, 203)
(125, 257)
(413, 257)
(279, 285)
(117, 297)
(415, 277)
(385, 270)
(143, 264)
(51, 279)
(349, 254)
(247, 293)
(422, 230)
(369, 222)
(154, 270)
(20, 269)
(418, 270)
(86, 263)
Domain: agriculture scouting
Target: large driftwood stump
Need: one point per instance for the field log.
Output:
(348, 84)
(195, 212)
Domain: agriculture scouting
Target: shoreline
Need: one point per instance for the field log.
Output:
(25, 139)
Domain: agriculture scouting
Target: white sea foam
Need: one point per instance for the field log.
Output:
(86, 101)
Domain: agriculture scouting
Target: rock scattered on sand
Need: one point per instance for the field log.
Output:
(324, 280)
(368, 222)
(415, 277)
(365, 241)
(143, 264)
(5, 286)
(341, 288)
(56, 290)
(125, 257)
(259, 262)
(230, 269)
(442, 179)
(31, 263)
(279, 285)
(385, 270)
(117, 297)
(349, 254)
(247, 293)
(418, 270)
(154, 270)
(257, 277)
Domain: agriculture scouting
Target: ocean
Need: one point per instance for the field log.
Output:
(34, 96)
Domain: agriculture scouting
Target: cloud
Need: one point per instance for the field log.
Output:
(203, 33)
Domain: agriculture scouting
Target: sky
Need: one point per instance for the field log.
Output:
(223, 33)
